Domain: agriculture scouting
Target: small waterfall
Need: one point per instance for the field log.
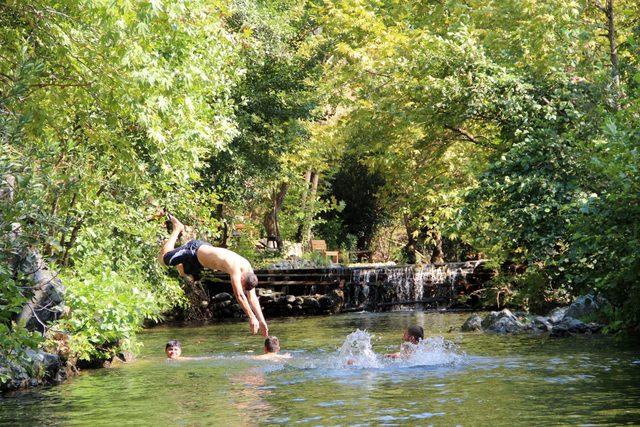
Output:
(407, 287)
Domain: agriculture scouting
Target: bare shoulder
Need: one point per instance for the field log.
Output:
(272, 356)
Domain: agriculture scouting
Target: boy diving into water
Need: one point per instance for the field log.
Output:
(195, 255)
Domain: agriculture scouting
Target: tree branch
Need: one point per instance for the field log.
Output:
(469, 137)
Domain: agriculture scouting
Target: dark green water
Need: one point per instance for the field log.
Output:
(487, 380)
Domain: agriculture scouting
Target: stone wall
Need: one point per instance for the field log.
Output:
(275, 304)
(311, 291)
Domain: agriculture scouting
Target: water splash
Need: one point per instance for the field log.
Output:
(433, 351)
(357, 351)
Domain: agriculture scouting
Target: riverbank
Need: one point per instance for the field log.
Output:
(32, 368)
(581, 317)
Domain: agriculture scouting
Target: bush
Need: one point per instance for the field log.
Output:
(108, 307)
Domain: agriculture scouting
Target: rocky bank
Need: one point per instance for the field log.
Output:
(561, 322)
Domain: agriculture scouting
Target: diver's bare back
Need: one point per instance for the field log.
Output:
(222, 259)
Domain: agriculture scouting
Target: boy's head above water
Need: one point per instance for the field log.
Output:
(272, 344)
(413, 334)
(173, 349)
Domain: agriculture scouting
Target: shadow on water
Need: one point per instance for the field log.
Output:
(339, 375)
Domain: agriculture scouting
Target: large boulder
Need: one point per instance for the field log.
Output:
(473, 323)
(493, 317)
(506, 325)
(37, 367)
(502, 322)
(585, 306)
(570, 326)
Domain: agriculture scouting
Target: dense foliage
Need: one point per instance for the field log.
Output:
(107, 111)
(501, 125)
(505, 128)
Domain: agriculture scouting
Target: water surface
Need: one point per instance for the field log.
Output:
(458, 378)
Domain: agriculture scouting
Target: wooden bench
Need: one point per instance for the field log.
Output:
(321, 246)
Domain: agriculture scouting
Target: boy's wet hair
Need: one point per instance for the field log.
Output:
(250, 281)
(173, 343)
(272, 344)
(416, 332)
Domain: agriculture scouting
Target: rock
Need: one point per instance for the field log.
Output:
(126, 356)
(47, 362)
(494, 316)
(266, 299)
(557, 314)
(570, 326)
(262, 292)
(113, 363)
(311, 304)
(541, 323)
(506, 325)
(594, 327)
(585, 306)
(325, 302)
(39, 367)
(338, 296)
(473, 323)
(222, 296)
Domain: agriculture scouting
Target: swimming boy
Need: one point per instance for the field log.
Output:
(271, 349)
(195, 255)
(412, 335)
(173, 349)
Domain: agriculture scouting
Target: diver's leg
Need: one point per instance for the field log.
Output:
(170, 243)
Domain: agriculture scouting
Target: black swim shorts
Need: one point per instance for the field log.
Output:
(186, 255)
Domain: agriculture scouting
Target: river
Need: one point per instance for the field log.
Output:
(456, 378)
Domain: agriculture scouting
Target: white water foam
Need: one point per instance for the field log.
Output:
(357, 352)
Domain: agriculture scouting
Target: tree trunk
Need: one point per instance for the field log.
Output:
(438, 254)
(306, 235)
(271, 217)
(219, 215)
(613, 47)
(305, 193)
(48, 250)
(410, 249)
(609, 14)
